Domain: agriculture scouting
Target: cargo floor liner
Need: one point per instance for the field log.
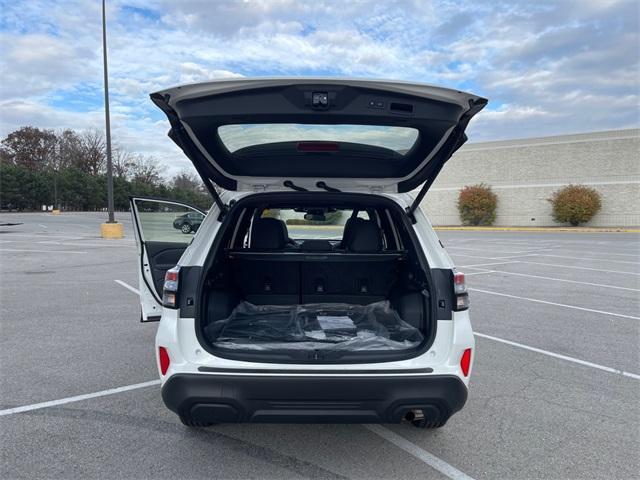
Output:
(319, 326)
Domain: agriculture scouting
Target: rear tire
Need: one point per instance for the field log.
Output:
(187, 422)
(185, 228)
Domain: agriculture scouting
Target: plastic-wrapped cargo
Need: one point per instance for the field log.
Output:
(319, 326)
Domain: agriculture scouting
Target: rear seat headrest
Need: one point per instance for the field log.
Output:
(364, 236)
(347, 233)
(268, 234)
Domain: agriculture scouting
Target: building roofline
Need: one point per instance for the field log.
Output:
(630, 133)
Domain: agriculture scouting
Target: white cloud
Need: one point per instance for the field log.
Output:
(547, 68)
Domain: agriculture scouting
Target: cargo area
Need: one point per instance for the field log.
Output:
(319, 326)
(315, 283)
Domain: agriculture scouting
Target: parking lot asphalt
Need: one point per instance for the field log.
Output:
(554, 392)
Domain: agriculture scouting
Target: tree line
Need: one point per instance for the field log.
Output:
(67, 169)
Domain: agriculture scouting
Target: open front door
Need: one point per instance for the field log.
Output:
(163, 230)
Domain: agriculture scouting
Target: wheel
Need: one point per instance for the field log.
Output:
(187, 422)
(185, 228)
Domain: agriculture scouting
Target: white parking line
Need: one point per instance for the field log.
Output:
(83, 244)
(624, 272)
(558, 280)
(474, 256)
(38, 251)
(392, 437)
(555, 246)
(580, 268)
(604, 254)
(49, 235)
(421, 454)
(77, 398)
(602, 312)
(591, 259)
(561, 357)
(499, 257)
(486, 264)
(489, 251)
(127, 286)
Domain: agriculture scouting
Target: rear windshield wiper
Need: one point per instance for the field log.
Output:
(326, 187)
(293, 186)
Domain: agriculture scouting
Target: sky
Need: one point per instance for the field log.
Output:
(547, 68)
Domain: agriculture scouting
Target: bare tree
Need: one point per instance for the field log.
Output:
(93, 159)
(69, 150)
(186, 180)
(122, 162)
(146, 170)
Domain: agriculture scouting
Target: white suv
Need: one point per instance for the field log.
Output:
(315, 289)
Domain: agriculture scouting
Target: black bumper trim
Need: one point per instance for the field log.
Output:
(315, 372)
(311, 399)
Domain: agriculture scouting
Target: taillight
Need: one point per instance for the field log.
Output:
(465, 362)
(170, 288)
(164, 359)
(460, 292)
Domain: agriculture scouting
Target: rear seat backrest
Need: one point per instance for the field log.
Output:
(354, 280)
(348, 231)
(316, 245)
(268, 234)
(267, 282)
(264, 281)
(365, 237)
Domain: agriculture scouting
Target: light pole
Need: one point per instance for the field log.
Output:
(110, 229)
(106, 117)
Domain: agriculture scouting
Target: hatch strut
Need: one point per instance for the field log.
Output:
(418, 199)
(218, 201)
(455, 141)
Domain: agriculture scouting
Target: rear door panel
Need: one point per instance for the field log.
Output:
(160, 243)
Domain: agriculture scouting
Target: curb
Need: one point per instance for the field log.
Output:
(544, 229)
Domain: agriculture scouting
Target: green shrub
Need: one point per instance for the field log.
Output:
(477, 205)
(575, 204)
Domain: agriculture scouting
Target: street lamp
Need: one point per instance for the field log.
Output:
(110, 229)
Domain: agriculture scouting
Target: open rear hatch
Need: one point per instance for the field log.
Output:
(282, 301)
(349, 135)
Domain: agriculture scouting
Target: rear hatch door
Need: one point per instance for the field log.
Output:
(352, 135)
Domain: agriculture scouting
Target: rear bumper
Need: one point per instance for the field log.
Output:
(312, 399)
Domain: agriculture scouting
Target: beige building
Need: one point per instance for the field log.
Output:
(524, 173)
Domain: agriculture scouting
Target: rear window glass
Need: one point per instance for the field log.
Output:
(326, 225)
(236, 137)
